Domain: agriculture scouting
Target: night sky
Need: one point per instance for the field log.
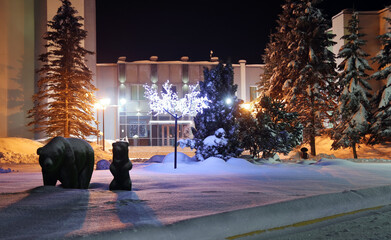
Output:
(170, 29)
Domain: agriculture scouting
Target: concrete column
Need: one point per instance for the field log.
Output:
(243, 88)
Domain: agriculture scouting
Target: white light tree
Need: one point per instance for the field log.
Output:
(168, 102)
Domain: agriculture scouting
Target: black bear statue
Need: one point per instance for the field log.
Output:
(68, 160)
(120, 167)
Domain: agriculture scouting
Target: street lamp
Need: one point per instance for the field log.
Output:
(228, 101)
(97, 106)
(104, 103)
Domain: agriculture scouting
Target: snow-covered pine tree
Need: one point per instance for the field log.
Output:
(63, 104)
(247, 131)
(276, 57)
(309, 90)
(218, 86)
(381, 127)
(278, 131)
(353, 102)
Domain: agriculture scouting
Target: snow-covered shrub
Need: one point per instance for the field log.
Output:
(214, 146)
(102, 165)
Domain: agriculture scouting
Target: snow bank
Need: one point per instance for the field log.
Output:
(212, 165)
(334, 162)
(18, 150)
(181, 158)
(323, 148)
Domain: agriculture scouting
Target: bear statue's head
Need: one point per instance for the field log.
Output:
(48, 158)
(52, 154)
(120, 151)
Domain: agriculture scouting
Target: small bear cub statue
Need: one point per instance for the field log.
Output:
(120, 167)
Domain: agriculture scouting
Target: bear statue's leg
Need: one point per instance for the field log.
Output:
(127, 184)
(85, 177)
(49, 179)
(69, 176)
(86, 173)
(113, 185)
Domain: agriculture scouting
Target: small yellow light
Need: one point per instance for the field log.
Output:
(246, 106)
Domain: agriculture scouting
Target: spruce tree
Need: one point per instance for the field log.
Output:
(353, 102)
(63, 104)
(218, 86)
(272, 129)
(381, 127)
(247, 131)
(309, 87)
(276, 56)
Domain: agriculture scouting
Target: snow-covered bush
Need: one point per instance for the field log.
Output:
(214, 146)
(102, 165)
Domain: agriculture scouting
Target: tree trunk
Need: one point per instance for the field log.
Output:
(66, 127)
(312, 144)
(354, 151)
(313, 128)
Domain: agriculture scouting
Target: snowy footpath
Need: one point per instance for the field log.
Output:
(208, 200)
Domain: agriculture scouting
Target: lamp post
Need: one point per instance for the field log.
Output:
(104, 103)
(97, 106)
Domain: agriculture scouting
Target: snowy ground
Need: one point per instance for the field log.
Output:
(162, 196)
(208, 200)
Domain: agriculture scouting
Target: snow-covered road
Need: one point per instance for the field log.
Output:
(163, 196)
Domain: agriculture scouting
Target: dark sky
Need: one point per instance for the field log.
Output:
(171, 29)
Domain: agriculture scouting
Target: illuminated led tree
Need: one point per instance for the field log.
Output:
(168, 102)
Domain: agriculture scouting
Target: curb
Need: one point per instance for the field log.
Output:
(252, 222)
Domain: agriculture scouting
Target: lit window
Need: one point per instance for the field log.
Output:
(253, 93)
(137, 92)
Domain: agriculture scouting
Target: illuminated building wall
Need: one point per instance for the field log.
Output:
(125, 80)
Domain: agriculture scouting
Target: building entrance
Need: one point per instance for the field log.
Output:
(168, 135)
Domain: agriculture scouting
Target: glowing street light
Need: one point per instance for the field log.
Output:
(228, 101)
(246, 106)
(122, 101)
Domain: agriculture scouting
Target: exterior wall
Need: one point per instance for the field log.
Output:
(108, 88)
(16, 66)
(132, 121)
(372, 24)
(22, 26)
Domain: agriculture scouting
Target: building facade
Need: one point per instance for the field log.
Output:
(373, 24)
(22, 26)
(127, 116)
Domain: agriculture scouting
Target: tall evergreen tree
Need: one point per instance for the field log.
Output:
(381, 127)
(309, 87)
(354, 103)
(218, 86)
(276, 56)
(63, 104)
